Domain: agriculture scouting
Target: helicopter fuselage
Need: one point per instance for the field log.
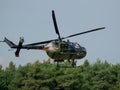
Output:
(65, 50)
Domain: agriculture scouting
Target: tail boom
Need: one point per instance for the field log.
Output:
(21, 46)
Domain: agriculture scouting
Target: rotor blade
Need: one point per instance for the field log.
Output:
(17, 52)
(19, 46)
(56, 30)
(43, 42)
(84, 32)
(55, 25)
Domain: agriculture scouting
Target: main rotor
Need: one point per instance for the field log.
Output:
(59, 36)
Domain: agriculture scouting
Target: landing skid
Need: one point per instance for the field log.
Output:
(72, 62)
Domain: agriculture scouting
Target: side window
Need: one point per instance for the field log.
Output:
(64, 47)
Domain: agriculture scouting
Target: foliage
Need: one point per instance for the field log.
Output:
(46, 76)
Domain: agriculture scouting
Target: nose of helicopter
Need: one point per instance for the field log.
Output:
(84, 51)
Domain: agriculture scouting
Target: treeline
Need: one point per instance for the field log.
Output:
(44, 76)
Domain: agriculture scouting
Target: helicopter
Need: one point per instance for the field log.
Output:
(57, 49)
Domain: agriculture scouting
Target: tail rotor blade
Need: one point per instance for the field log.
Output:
(17, 52)
(19, 46)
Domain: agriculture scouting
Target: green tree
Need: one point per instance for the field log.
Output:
(45, 76)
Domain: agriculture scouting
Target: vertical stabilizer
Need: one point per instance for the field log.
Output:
(10, 43)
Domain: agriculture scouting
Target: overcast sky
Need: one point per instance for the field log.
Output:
(32, 19)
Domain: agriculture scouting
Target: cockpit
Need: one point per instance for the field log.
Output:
(77, 47)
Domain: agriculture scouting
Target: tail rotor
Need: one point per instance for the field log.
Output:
(19, 46)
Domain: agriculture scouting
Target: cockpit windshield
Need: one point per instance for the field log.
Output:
(76, 45)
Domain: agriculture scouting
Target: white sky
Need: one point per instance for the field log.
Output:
(32, 19)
